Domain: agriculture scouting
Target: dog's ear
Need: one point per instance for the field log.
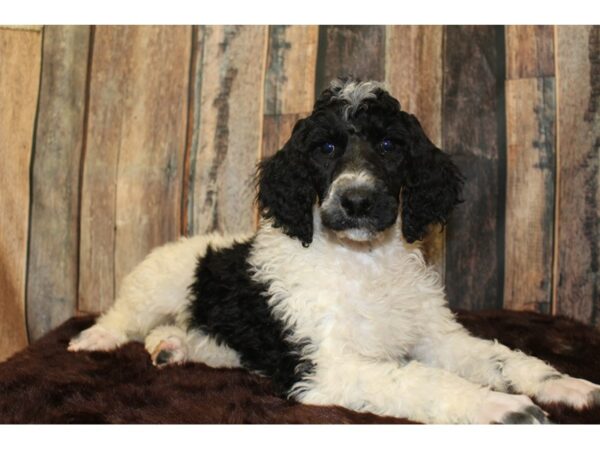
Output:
(286, 193)
(432, 184)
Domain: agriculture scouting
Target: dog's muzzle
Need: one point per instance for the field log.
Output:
(358, 207)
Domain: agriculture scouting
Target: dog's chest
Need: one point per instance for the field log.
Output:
(342, 301)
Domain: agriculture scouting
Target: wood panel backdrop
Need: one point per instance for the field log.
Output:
(117, 139)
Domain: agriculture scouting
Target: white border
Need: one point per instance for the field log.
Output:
(299, 12)
(298, 437)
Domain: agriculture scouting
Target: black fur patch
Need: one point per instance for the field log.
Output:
(228, 305)
(529, 415)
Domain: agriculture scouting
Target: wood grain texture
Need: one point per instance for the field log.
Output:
(134, 157)
(578, 214)
(289, 82)
(36, 28)
(531, 116)
(529, 51)
(19, 84)
(277, 129)
(291, 65)
(54, 226)
(228, 128)
(357, 50)
(473, 133)
(413, 74)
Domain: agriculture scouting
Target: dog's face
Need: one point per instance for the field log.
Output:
(363, 162)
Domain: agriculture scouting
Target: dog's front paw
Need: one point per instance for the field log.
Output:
(509, 409)
(575, 392)
(96, 338)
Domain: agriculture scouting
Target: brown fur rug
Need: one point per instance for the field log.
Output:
(46, 384)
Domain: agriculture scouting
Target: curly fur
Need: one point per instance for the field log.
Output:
(286, 192)
(429, 182)
(432, 185)
(331, 298)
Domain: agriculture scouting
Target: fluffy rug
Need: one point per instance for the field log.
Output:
(46, 384)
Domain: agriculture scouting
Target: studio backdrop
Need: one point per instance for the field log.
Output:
(116, 139)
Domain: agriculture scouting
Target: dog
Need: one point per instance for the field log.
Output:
(331, 298)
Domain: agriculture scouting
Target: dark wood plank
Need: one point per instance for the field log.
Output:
(133, 165)
(357, 50)
(227, 129)
(54, 225)
(529, 51)
(578, 212)
(473, 132)
(531, 116)
(414, 77)
(19, 84)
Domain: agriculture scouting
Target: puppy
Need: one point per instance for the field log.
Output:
(332, 298)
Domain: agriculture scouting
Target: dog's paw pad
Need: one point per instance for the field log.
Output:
(163, 357)
(168, 351)
(575, 392)
(96, 338)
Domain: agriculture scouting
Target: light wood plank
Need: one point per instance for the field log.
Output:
(531, 115)
(228, 126)
(134, 158)
(19, 84)
(277, 130)
(291, 63)
(414, 76)
(53, 249)
(578, 213)
(34, 28)
(529, 51)
(289, 82)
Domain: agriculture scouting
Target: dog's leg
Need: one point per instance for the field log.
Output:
(154, 293)
(173, 345)
(447, 345)
(413, 391)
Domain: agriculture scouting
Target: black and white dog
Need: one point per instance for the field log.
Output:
(331, 298)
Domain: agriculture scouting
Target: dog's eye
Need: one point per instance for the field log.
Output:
(386, 145)
(328, 148)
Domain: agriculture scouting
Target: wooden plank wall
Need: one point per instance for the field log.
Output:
(52, 291)
(20, 60)
(130, 198)
(578, 207)
(118, 139)
(473, 132)
(531, 163)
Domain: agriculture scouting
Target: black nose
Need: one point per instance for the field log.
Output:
(357, 202)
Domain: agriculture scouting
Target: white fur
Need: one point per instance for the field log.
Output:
(381, 335)
(355, 93)
(155, 294)
(383, 338)
(186, 345)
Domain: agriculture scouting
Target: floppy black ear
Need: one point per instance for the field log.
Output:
(286, 192)
(431, 188)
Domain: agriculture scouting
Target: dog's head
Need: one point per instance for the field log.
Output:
(363, 162)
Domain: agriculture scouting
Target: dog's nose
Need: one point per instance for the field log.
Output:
(357, 202)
